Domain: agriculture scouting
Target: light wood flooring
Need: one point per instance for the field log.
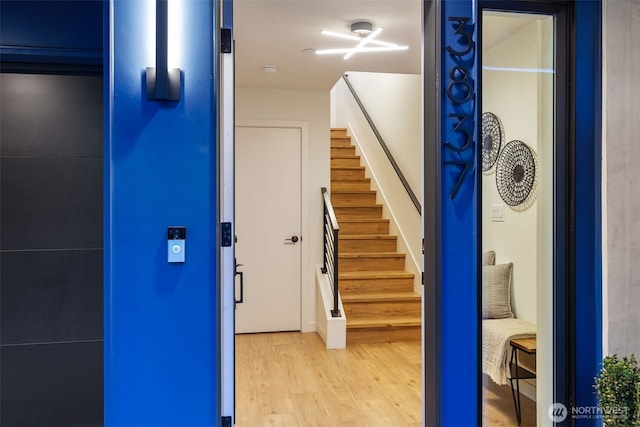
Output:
(290, 379)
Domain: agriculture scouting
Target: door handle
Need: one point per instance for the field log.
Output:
(293, 239)
(241, 274)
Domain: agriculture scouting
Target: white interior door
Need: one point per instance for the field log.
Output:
(268, 225)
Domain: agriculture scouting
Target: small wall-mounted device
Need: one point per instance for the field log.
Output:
(176, 247)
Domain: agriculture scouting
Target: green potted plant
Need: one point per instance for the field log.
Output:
(618, 388)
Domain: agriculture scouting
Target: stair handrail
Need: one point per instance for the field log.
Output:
(331, 231)
(384, 146)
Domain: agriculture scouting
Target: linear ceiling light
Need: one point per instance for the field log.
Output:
(363, 41)
(351, 50)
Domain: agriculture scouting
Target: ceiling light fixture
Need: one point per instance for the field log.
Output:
(270, 69)
(361, 28)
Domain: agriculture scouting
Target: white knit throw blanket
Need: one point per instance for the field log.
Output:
(496, 334)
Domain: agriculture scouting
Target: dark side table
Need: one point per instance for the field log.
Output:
(528, 346)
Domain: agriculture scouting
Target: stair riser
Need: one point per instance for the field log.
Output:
(382, 335)
(348, 162)
(338, 132)
(381, 227)
(353, 199)
(362, 310)
(361, 185)
(367, 245)
(364, 263)
(343, 151)
(358, 211)
(341, 143)
(375, 285)
(345, 174)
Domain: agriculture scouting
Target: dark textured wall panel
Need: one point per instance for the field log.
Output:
(58, 300)
(52, 385)
(52, 116)
(51, 222)
(51, 203)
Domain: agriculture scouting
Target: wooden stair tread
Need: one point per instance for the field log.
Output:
(380, 297)
(361, 180)
(354, 255)
(366, 219)
(384, 322)
(370, 275)
(345, 156)
(350, 204)
(347, 168)
(336, 192)
(365, 179)
(358, 218)
(367, 237)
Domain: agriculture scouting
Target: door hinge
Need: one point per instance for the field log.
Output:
(226, 422)
(225, 234)
(422, 276)
(422, 246)
(226, 40)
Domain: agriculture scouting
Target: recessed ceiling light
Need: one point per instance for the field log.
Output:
(308, 51)
(270, 69)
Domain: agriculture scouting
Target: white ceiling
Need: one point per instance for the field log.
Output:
(275, 32)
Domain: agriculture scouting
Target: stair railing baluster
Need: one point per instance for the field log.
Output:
(330, 266)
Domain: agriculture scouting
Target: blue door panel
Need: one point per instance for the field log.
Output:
(160, 320)
(459, 312)
(588, 296)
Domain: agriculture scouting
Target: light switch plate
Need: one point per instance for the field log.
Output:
(497, 213)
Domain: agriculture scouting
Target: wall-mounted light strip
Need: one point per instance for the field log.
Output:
(162, 84)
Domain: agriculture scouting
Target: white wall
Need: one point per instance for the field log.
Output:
(621, 185)
(313, 108)
(405, 221)
(394, 102)
(513, 97)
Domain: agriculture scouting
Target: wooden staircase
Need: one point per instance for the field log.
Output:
(376, 290)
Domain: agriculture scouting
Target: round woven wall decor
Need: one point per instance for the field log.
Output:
(516, 173)
(492, 140)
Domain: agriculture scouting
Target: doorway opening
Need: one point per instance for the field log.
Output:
(302, 99)
(523, 175)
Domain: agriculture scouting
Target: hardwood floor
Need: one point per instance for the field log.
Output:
(498, 409)
(290, 379)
